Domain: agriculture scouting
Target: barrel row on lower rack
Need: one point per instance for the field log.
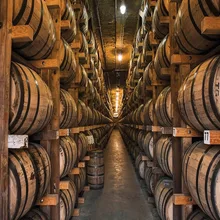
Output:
(30, 172)
(200, 171)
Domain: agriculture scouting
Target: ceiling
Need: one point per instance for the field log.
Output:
(114, 34)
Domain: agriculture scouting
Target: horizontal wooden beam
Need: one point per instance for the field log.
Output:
(74, 130)
(81, 200)
(212, 137)
(64, 184)
(45, 136)
(65, 25)
(22, 34)
(186, 132)
(167, 130)
(156, 129)
(64, 132)
(86, 188)
(210, 26)
(17, 141)
(49, 200)
(165, 71)
(76, 212)
(185, 59)
(53, 4)
(181, 199)
(164, 20)
(46, 64)
(86, 158)
(81, 164)
(75, 171)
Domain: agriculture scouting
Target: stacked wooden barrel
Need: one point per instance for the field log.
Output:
(95, 169)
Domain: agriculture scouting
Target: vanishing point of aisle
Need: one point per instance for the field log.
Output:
(122, 197)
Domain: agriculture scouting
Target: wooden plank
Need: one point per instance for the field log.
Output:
(210, 25)
(76, 213)
(52, 64)
(45, 135)
(181, 199)
(75, 171)
(65, 25)
(81, 200)
(149, 88)
(81, 164)
(164, 20)
(75, 45)
(165, 71)
(86, 158)
(49, 200)
(186, 132)
(17, 141)
(86, 188)
(6, 10)
(53, 4)
(144, 158)
(212, 137)
(64, 132)
(185, 59)
(74, 131)
(22, 34)
(64, 184)
(156, 129)
(167, 130)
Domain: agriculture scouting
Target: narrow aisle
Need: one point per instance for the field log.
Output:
(122, 197)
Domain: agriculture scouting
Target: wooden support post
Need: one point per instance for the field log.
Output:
(6, 10)
(181, 199)
(49, 200)
(22, 34)
(210, 25)
(212, 137)
(65, 184)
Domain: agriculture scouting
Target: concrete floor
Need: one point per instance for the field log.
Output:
(123, 196)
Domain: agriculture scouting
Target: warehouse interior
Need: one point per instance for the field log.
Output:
(109, 109)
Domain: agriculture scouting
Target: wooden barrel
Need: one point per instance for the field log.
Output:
(164, 154)
(140, 165)
(140, 139)
(162, 59)
(36, 15)
(91, 41)
(68, 63)
(67, 200)
(31, 104)
(42, 164)
(68, 110)
(68, 155)
(140, 115)
(139, 39)
(84, 80)
(149, 180)
(148, 112)
(163, 109)
(201, 174)
(29, 174)
(95, 169)
(148, 75)
(68, 14)
(90, 116)
(82, 145)
(90, 138)
(84, 19)
(164, 199)
(82, 113)
(80, 179)
(146, 23)
(198, 215)
(161, 9)
(199, 96)
(35, 214)
(148, 145)
(83, 43)
(188, 26)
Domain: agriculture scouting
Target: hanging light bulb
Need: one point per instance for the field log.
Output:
(120, 57)
(123, 9)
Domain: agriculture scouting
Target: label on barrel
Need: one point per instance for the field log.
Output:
(90, 139)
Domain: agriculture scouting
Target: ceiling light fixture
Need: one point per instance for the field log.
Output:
(123, 9)
(120, 57)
